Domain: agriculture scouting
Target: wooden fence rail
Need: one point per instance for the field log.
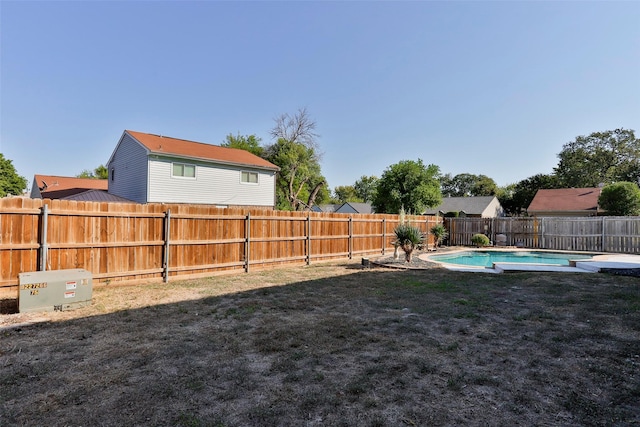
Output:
(128, 242)
(596, 234)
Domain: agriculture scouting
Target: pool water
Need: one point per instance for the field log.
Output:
(487, 258)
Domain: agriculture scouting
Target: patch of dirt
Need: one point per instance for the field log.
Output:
(416, 262)
(333, 344)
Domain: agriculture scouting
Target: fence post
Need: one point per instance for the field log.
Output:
(350, 237)
(493, 230)
(309, 239)
(167, 230)
(44, 247)
(384, 234)
(604, 236)
(426, 231)
(247, 242)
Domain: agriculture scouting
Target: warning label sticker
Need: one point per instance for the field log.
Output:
(69, 294)
(72, 285)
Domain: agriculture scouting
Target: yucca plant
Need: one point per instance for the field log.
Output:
(439, 233)
(408, 238)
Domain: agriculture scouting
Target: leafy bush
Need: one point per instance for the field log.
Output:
(480, 240)
(408, 238)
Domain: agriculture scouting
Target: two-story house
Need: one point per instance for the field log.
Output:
(149, 168)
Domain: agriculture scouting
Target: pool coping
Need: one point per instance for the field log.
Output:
(600, 260)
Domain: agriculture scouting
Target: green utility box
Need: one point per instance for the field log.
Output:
(55, 290)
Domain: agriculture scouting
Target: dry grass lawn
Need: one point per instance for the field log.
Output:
(331, 345)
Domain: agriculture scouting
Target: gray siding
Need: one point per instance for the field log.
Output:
(35, 190)
(213, 184)
(131, 170)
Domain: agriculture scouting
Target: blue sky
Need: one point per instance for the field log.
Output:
(493, 88)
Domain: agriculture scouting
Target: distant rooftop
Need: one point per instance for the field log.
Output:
(565, 199)
(60, 187)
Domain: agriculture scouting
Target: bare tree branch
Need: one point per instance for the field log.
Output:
(297, 128)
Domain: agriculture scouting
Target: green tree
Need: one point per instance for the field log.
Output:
(484, 186)
(467, 185)
(101, 172)
(620, 198)
(410, 185)
(346, 193)
(365, 187)
(250, 143)
(515, 198)
(505, 197)
(600, 158)
(10, 181)
(300, 182)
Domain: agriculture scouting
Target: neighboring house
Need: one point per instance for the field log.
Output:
(71, 188)
(151, 168)
(353, 207)
(326, 208)
(475, 207)
(60, 187)
(566, 202)
(347, 207)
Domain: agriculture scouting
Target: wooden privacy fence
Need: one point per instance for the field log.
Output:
(596, 234)
(131, 242)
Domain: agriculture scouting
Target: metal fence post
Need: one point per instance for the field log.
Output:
(350, 237)
(604, 235)
(167, 231)
(44, 247)
(247, 242)
(384, 234)
(309, 239)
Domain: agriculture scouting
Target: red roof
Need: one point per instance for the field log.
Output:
(58, 187)
(566, 199)
(158, 144)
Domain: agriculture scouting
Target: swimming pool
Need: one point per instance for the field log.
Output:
(487, 258)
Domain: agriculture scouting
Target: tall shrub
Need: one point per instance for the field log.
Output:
(620, 198)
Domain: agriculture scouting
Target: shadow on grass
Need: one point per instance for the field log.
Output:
(366, 347)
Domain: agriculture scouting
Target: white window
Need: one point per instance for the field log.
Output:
(249, 177)
(184, 170)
